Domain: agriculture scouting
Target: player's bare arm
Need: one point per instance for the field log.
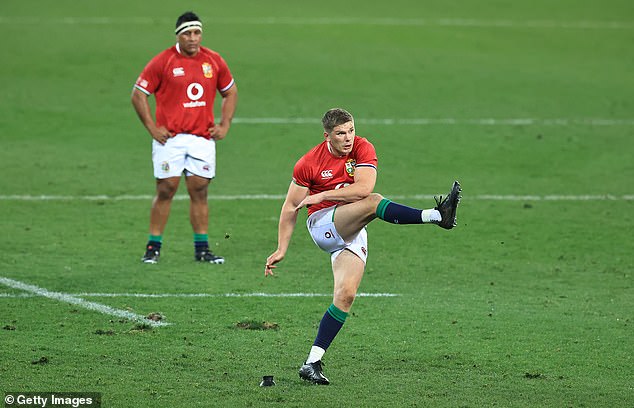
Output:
(229, 102)
(364, 181)
(288, 219)
(143, 110)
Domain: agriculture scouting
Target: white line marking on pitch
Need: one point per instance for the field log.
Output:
(372, 21)
(204, 295)
(449, 121)
(438, 22)
(65, 297)
(479, 197)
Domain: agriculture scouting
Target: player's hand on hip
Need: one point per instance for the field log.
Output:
(218, 131)
(161, 135)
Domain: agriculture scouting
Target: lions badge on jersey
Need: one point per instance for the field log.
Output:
(207, 70)
(350, 165)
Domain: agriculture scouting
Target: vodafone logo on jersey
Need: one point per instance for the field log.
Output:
(195, 91)
(326, 174)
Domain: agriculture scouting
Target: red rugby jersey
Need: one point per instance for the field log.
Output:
(320, 170)
(185, 88)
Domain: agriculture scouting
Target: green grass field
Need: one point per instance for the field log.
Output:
(528, 303)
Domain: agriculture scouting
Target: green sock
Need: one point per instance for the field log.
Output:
(398, 213)
(337, 314)
(201, 241)
(201, 237)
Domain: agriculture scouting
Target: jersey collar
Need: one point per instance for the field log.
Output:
(331, 152)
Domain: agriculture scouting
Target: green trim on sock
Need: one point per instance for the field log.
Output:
(337, 314)
(201, 237)
(380, 209)
(157, 238)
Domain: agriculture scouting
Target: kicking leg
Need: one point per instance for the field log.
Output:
(351, 218)
(395, 213)
(443, 215)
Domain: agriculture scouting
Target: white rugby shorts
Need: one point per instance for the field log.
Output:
(321, 226)
(184, 153)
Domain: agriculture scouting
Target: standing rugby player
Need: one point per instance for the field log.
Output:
(184, 80)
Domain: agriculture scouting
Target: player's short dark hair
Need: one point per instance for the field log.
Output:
(187, 16)
(335, 117)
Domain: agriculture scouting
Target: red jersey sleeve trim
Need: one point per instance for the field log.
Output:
(298, 184)
(228, 86)
(145, 91)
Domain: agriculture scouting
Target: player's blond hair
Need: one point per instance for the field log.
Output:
(335, 117)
